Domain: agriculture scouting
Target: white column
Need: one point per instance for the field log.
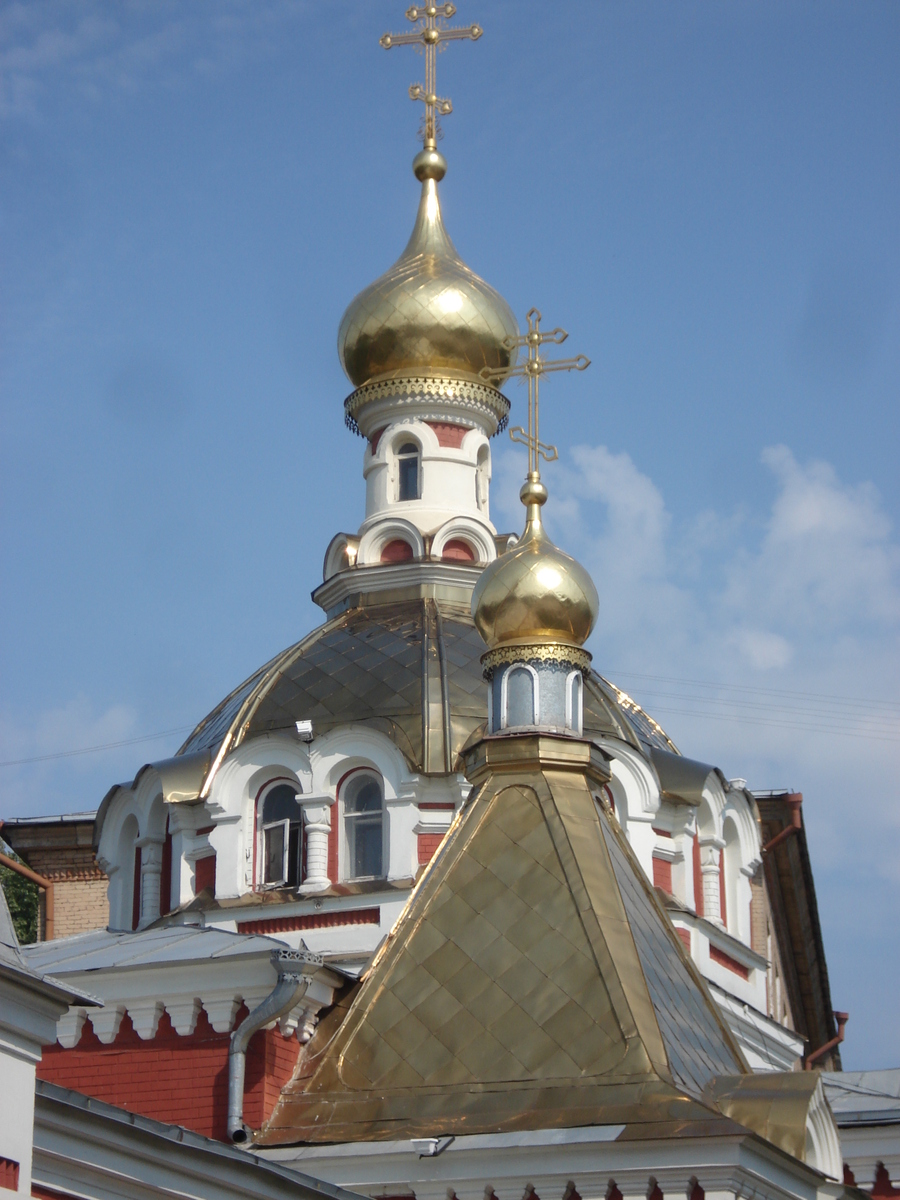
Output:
(316, 828)
(709, 869)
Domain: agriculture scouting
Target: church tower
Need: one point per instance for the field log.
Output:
(427, 347)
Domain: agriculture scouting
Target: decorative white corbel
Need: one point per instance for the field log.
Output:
(184, 1012)
(145, 1017)
(222, 1011)
(106, 1021)
(69, 1027)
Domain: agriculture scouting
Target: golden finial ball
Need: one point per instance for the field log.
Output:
(429, 164)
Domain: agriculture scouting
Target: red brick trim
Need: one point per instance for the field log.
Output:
(330, 920)
(449, 435)
(9, 1174)
(427, 845)
(725, 960)
(685, 935)
(662, 874)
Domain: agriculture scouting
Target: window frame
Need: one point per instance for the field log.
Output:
(261, 884)
(406, 452)
(348, 821)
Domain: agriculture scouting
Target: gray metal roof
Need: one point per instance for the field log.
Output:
(196, 1156)
(864, 1097)
(102, 949)
(56, 819)
(14, 963)
(411, 668)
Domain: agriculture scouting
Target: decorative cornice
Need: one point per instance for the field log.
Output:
(451, 582)
(534, 654)
(471, 395)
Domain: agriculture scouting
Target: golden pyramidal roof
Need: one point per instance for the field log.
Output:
(533, 981)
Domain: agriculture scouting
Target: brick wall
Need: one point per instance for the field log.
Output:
(427, 846)
(63, 853)
(179, 1080)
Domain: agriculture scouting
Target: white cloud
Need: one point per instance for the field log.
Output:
(788, 624)
(93, 49)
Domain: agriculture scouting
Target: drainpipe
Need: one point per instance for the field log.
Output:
(46, 884)
(795, 800)
(842, 1019)
(295, 971)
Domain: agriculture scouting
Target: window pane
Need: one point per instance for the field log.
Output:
(365, 797)
(280, 805)
(367, 857)
(274, 854)
(409, 478)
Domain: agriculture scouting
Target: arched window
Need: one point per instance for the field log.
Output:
(281, 836)
(408, 472)
(363, 801)
(520, 697)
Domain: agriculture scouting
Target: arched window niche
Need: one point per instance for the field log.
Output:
(280, 826)
(519, 698)
(482, 479)
(362, 802)
(574, 701)
(409, 484)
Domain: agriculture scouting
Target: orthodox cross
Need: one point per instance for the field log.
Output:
(431, 33)
(532, 369)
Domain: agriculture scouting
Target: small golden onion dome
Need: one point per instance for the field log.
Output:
(534, 594)
(429, 314)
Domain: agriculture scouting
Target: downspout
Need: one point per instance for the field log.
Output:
(842, 1019)
(295, 971)
(795, 800)
(46, 884)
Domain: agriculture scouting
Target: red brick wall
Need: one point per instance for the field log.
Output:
(427, 846)
(9, 1174)
(662, 874)
(449, 435)
(331, 920)
(179, 1080)
(725, 960)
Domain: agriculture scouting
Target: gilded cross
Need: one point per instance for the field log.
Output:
(431, 32)
(532, 369)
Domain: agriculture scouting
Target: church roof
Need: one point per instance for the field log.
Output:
(533, 981)
(411, 669)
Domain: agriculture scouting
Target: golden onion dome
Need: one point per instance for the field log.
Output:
(429, 314)
(534, 594)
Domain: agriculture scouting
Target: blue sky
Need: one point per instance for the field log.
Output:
(704, 195)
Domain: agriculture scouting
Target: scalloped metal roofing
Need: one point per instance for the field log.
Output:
(411, 669)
